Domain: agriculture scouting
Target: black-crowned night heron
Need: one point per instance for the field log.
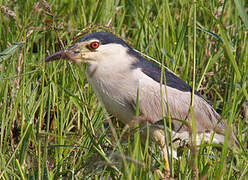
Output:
(116, 72)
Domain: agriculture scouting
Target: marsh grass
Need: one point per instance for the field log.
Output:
(52, 125)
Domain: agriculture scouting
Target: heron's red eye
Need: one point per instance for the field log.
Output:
(94, 45)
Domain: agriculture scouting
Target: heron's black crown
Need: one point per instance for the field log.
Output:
(104, 38)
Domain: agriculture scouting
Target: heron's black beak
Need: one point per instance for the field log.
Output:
(57, 55)
(72, 53)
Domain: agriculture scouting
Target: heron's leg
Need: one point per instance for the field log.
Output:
(166, 158)
(158, 136)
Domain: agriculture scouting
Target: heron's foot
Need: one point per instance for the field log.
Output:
(166, 163)
(165, 174)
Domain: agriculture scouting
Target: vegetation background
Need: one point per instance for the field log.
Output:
(53, 127)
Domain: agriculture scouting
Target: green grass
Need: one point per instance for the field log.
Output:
(51, 123)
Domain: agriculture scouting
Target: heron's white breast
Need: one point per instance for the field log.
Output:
(114, 86)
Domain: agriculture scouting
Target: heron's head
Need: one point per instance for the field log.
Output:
(94, 48)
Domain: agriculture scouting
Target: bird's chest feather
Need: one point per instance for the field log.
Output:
(113, 90)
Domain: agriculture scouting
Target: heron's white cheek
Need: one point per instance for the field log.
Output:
(89, 56)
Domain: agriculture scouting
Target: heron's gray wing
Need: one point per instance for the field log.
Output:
(151, 96)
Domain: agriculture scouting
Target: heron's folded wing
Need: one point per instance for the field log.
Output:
(155, 104)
